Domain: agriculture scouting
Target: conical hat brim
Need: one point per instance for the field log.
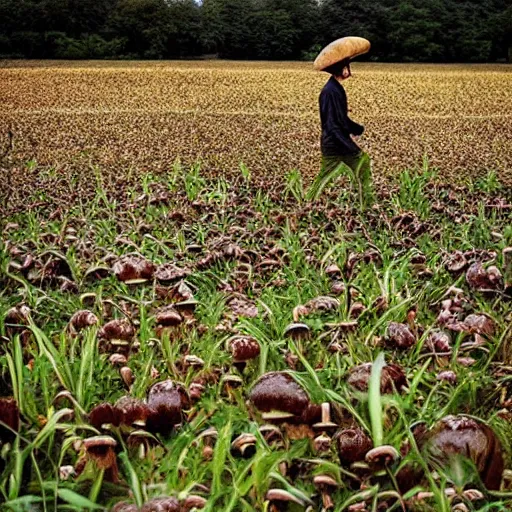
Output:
(341, 49)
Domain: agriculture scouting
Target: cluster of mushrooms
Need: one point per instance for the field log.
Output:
(277, 402)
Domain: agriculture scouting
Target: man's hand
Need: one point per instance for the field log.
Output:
(356, 138)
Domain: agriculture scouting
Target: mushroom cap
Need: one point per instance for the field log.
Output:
(456, 262)
(168, 316)
(352, 445)
(105, 414)
(82, 319)
(132, 410)
(121, 329)
(333, 270)
(278, 391)
(382, 455)
(282, 495)
(297, 330)
(439, 341)
(482, 279)
(447, 376)
(324, 480)
(463, 436)
(118, 359)
(133, 269)
(164, 504)
(341, 49)
(166, 401)
(244, 348)
(243, 439)
(170, 272)
(99, 442)
(392, 377)
(479, 324)
(400, 336)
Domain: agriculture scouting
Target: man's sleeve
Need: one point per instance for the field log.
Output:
(355, 128)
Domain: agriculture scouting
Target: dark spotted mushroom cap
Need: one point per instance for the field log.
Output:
(166, 401)
(461, 435)
(277, 391)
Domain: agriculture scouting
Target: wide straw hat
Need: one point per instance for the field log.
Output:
(341, 49)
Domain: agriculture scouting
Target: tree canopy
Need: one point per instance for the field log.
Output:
(400, 30)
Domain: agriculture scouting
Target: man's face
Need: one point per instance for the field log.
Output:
(345, 73)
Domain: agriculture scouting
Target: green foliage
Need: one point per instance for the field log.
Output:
(490, 183)
(68, 374)
(408, 30)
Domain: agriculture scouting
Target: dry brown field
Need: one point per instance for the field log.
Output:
(143, 115)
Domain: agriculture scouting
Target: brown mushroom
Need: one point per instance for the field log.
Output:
(82, 319)
(166, 401)
(104, 415)
(243, 348)
(134, 412)
(352, 445)
(447, 376)
(479, 324)
(392, 377)
(482, 279)
(325, 485)
(280, 497)
(279, 397)
(439, 341)
(456, 262)
(244, 445)
(208, 437)
(461, 436)
(167, 272)
(323, 441)
(127, 376)
(356, 309)
(322, 303)
(193, 501)
(118, 360)
(100, 450)
(338, 287)
(163, 504)
(133, 269)
(118, 335)
(142, 441)
(271, 433)
(10, 417)
(400, 336)
(381, 456)
(16, 320)
(332, 271)
(297, 331)
(168, 317)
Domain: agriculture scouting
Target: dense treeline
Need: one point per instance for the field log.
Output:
(408, 30)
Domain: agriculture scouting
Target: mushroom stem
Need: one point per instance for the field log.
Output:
(327, 500)
(326, 412)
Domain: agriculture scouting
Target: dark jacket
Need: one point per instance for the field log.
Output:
(336, 125)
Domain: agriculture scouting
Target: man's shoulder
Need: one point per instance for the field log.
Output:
(331, 88)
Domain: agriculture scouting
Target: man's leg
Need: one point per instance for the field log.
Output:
(361, 165)
(325, 176)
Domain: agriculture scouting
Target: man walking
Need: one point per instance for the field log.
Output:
(340, 153)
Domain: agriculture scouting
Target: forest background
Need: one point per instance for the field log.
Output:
(406, 30)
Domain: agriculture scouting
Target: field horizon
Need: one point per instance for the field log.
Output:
(142, 116)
